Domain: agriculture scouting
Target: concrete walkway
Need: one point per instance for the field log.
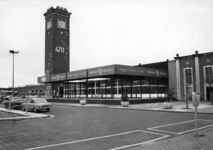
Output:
(178, 106)
(22, 115)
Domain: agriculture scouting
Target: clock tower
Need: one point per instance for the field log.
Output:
(57, 49)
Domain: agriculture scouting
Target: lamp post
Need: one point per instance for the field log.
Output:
(12, 52)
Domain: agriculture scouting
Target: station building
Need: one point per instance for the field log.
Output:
(109, 82)
(100, 82)
(144, 81)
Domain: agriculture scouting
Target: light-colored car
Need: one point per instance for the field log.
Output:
(36, 104)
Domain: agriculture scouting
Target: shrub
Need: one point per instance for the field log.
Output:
(124, 97)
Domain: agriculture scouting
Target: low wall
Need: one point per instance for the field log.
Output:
(106, 101)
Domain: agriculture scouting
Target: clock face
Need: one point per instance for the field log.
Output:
(49, 25)
(61, 24)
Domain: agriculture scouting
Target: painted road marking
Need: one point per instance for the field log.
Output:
(108, 136)
(163, 136)
(183, 127)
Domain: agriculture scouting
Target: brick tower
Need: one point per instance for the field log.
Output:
(57, 40)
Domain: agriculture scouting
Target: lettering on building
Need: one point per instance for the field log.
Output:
(43, 79)
(59, 49)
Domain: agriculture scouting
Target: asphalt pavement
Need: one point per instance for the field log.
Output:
(203, 141)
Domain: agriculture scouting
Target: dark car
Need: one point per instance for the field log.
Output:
(16, 102)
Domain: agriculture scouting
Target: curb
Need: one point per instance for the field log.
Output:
(24, 115)
(131, 108)
(21, 118)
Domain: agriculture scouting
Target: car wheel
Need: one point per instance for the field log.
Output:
(35, 110)
(48, 109)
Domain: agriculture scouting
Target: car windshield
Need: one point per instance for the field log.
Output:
(40, 101)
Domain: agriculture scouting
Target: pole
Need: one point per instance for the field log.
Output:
(196, 133)
(12, 52)
(26, 105)
(187, 98)
(12, 83)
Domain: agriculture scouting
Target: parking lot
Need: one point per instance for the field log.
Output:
(92, 128)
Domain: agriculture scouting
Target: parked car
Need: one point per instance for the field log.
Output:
(36, 104)
(16, 102)
(7, 97)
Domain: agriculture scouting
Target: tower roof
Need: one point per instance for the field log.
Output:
(58, 10)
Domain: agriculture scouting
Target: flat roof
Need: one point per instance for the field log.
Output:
(103, 72)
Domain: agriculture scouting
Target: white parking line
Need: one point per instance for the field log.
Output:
(84, 140)
(155, 128)
(126, 146)
(170, 124)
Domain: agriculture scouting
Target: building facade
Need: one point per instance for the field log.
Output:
(39, 90)
(110, 82)
(192, 73)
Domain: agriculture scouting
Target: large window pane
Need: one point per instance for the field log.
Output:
(209, 75)
(188, 76)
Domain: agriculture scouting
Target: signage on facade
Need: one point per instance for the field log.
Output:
(128, 70)
(77, 74)
(43, 79)
(58, 77)
(59, 49)
(101, 71)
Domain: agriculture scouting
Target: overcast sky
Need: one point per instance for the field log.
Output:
(103, 32)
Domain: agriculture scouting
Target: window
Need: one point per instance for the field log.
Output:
(209, 75)
(188, 79)
(188, 76)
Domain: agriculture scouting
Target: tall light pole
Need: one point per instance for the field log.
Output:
(12, 52)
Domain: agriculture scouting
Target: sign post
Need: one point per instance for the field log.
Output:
(196, 101)
(27, 104)
(196, 133)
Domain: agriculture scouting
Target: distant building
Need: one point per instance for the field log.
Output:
(39, 90)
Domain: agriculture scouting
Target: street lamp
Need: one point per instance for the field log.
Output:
(12, 52)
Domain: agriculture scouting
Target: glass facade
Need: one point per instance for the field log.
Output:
(135, 87)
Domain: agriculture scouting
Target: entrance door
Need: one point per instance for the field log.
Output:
(134, 92)
(208, 90)
(61, 91)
